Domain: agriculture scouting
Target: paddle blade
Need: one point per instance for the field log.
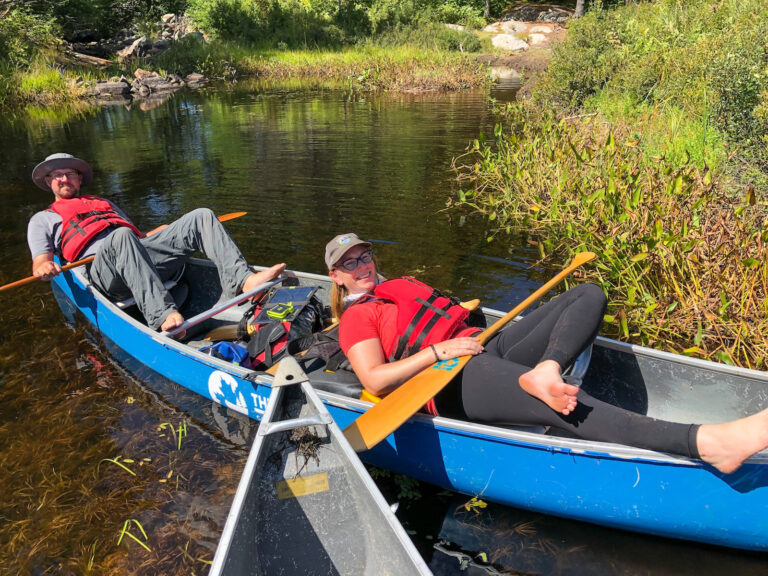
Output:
(231, 216)
(393, 410)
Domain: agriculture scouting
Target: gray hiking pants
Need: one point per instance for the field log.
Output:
(127, 266)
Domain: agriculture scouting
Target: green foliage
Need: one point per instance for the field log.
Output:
(214, 59)
(389, 14)
(670, 240)
(290, 23)
(22, 36)
(41, 82)
(454, 12)
(708, 60)
(431, 36)
(102, 18)
(323, 23)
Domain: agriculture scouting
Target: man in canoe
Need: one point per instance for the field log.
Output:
(127, 262)
(392, 330)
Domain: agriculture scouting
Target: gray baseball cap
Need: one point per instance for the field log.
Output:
(60, 161)
(337, 247)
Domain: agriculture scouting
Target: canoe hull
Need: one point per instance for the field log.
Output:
(611, 485)
(306, 504)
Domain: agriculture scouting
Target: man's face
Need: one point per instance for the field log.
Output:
(65, 183)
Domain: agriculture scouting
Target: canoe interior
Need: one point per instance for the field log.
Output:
(644, 381)
(310, 506)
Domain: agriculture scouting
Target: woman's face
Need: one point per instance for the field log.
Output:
(362, 278)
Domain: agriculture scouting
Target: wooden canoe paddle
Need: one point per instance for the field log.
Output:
(222, 218)
(388, 415)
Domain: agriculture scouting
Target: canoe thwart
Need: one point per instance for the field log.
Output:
(274, 427)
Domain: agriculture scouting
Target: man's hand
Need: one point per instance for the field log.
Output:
(44, 268)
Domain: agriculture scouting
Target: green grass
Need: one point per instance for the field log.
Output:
(665, 130)
(367, 67)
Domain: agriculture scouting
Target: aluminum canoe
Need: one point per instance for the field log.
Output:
(305, 503)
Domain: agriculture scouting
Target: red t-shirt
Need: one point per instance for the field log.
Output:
(378, 319)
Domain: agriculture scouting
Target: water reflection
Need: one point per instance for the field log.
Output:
(477, 541)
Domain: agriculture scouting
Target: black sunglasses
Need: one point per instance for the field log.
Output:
(351, 264)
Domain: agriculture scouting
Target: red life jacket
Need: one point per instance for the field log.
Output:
(82, 219)
(424, 315)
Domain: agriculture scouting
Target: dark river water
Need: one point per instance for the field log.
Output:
(110, 469)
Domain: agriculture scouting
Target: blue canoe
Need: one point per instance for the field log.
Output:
(530, 468)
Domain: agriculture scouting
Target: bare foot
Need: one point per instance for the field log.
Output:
(257, 278)
(173, 320)
(726, 446)
(545, 383)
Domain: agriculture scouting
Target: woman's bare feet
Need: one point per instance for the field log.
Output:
(254, 280)
(726, 446)
(173, 320)
(545, 383)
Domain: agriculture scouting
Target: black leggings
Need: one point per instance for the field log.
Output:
(488, 388)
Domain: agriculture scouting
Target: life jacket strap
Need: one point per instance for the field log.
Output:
(402, 343)
(428, 327)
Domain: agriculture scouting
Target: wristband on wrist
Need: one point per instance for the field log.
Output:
(434, 352)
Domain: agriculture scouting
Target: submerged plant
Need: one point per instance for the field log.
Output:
(126, 532)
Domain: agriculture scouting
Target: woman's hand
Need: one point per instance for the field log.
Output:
(456, 347)
(380, 377)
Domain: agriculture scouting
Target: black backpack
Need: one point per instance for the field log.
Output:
(278, 321)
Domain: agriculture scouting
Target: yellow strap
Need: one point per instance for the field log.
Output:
(368, 397)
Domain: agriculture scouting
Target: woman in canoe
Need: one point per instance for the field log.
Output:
(392, 330)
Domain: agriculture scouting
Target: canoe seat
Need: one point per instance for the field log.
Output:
(574, 374)
(343, 382)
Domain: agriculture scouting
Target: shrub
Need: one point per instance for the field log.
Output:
(22, 36)
(685, 266)
(454, 13)
(708, 60)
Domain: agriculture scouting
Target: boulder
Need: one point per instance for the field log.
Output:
(110, 89)
(457, 27)
(137, 48)
(513, 27)
(501, 73)
(195, 80)
(141, 73)
(538, 39)
(152, 84)
(542, 29)
(161, 45)
(509, 42)
(194, 34)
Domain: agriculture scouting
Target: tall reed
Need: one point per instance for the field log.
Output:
(683, 264)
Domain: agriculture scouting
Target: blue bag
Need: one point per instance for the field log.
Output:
(228, 351)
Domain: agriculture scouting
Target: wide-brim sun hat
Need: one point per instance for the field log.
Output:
(337, 247)
(60, 161)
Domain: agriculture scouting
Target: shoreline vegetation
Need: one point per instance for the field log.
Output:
(646, 141)
(382, 46)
